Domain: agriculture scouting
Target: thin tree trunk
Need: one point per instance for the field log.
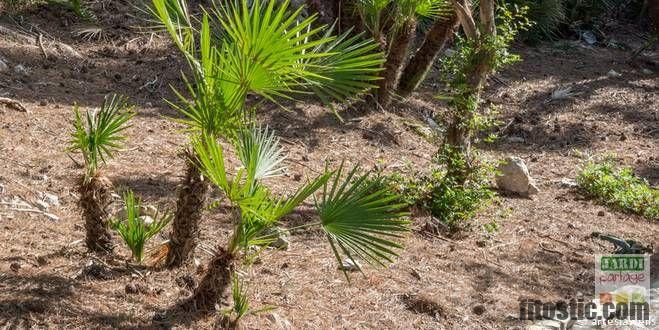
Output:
(395, 60)
(185, 226)
(216, 281)
(421, 62)
(95, 197)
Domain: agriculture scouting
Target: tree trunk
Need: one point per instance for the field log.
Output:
(216, 281)
(395, 60)
(423, 59)
(185, 226)
(95, 197)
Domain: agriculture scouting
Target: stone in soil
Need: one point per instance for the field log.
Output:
(514, 177)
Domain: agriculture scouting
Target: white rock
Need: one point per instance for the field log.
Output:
(21, 70)
(51, 199)
(514, 177)
(147, 220)
(613, 74)
(349, 266)
(568, 183)
(645, 71)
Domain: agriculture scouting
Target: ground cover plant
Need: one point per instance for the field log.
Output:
(619, 188)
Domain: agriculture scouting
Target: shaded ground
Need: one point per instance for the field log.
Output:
(542, 250)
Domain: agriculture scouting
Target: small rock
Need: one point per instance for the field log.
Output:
(41, 205)
(147, 220)
(478, 309)
(41, 260)
(515, 139)
(51, 217)
(613, 74)
(280, 236)
(15, 266)
(568, 183)
(514, 177)
(131, 288)
(19, 69)
(349, 266)
(51, 199)
(645, 71)
(589, 37)
(601, 213)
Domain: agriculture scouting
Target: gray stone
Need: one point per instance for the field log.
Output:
(281, 237)
(21, 70)
(514, 177)
(613, 74)
(349, 266)
(51, 199)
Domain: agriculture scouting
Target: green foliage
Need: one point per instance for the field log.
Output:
(619, 188)
(356, 220)
(240, 296)
(98, 135)
(133, 229)
(547, 17)
(264, 49)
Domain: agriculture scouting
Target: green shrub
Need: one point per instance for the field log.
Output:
(619, 188)
(134, 230)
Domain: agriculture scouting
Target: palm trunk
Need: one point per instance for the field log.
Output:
(185, 226)
(423, 59)
(216, 281)
(95, 198)
(395, 60)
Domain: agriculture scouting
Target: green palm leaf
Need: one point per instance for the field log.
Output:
(359, 220)
(260, 153)
(98, 135)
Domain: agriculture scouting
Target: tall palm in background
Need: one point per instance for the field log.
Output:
(258, 47)
(97, 136)
(358, 219)
(394, 24)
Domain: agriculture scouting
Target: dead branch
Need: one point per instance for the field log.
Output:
(11, 103)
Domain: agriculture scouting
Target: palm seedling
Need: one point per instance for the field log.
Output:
(394, 24)
(359, 221)
(250, 47)
(136, 229)
(97, 136)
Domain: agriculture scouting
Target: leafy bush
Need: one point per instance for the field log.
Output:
(134, 229)
(619, 188)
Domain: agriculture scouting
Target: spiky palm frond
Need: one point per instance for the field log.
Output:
(260, 153)
(98, 135)
(385, 17)
(360, 220)
(134, 231)
(263, 48)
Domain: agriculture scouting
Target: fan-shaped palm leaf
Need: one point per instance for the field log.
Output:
(359, 219)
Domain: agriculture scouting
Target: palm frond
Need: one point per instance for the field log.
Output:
(260, 153)
(359, 220)
(98, 135)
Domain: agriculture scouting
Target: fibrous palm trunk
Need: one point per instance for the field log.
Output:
(189, 206)
(395, 60)
(216, 281)
(421, 62)
(95, 198)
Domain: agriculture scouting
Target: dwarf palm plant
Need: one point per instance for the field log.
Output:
(257, 47)
(136, 229)
(358, 220)
(394, 24)
(97, 137)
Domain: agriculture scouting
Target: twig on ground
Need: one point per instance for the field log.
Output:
(550, 250)
(11, 103)
(43, 49)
